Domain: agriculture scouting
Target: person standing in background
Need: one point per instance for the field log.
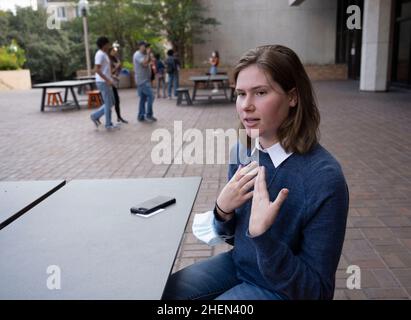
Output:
(104, 83)
(177, 73)
(153, 66)
(142, 69)
(115, 72)
(171, 69)
(160, 74)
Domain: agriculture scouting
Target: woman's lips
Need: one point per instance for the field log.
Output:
(251, 122)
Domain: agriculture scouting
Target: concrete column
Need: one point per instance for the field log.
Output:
(375, 45)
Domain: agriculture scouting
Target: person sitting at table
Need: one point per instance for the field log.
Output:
(214, 61)
(286, 211)
(104, 82)
(115, 72)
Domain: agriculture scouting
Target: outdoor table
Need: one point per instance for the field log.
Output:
(67, 85)
(86, 78)
(101, 250)
(223, 79)
(17, 197)
(81, 89)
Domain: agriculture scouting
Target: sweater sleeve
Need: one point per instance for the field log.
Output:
(310, 272)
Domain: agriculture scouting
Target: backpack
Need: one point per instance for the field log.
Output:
(170, 65)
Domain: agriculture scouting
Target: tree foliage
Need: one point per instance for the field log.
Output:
(55, 54)
(183, 22)
(48, 52)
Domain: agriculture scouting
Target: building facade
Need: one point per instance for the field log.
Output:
(377, 51)
(65, 10)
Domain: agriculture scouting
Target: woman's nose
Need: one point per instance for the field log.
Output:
(247, 104)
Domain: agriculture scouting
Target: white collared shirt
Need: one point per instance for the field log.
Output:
(276, 152)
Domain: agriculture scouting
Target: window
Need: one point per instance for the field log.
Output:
(61, 12)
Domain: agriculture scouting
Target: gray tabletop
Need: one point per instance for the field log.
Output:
(64, 84)
(91, 243)
(16, 197)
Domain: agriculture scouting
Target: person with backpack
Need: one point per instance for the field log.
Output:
(160, 70)
(171, 69)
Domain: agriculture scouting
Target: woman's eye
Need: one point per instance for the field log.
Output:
(261, 93)
(240, 94)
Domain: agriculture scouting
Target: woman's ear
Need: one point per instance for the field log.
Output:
(293, 97)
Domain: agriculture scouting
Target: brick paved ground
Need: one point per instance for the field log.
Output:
(369, 133)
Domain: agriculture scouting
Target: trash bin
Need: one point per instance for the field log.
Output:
(124, 79)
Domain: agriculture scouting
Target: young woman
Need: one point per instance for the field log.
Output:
(287, 213)
(115, 72)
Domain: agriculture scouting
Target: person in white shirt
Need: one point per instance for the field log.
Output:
(104, 83)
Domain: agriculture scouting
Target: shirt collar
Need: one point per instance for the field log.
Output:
(276, 152)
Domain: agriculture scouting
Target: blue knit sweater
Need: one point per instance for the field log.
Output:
(297, 257)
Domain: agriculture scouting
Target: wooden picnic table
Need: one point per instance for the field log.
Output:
(66, 85)
(198, 80)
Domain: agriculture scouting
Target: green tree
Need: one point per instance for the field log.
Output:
(48, 51)
(128, 20)
(4, 27)
(184, 23)
(181, 22)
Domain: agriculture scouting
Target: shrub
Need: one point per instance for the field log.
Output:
(128, 65)
(8, 61)
(11, 57)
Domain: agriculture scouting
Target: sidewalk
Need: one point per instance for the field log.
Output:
(369, 133)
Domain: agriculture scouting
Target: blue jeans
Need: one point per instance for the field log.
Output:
(108, 100)
(145, 92)
(172, 83)
(214, 278)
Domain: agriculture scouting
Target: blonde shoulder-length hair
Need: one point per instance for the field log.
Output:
(300, 130)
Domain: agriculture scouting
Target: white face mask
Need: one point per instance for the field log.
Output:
(203, 229)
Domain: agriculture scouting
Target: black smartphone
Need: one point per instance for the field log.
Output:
(152, 205)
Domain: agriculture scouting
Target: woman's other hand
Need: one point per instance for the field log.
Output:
(264, 212)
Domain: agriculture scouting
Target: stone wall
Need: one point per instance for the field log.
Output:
(315, 72)
(15, 80)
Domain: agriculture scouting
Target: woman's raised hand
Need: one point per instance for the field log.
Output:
(264, 212)
(237, 191)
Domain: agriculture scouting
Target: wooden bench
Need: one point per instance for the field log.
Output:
(183, 93)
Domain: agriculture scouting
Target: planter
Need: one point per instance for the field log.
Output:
(15, 80)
